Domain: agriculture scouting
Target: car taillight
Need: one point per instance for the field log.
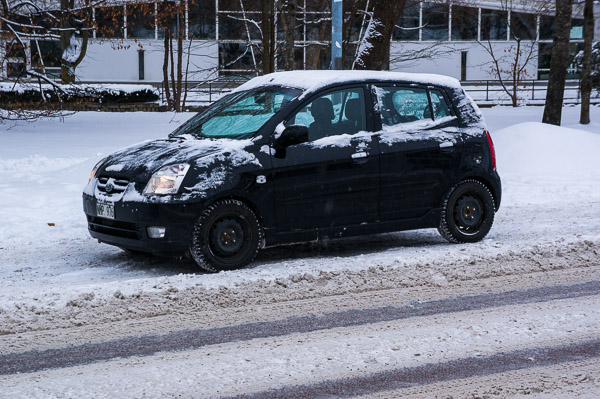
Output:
(492, 151)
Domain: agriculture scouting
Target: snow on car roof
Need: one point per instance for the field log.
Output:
(310, 81)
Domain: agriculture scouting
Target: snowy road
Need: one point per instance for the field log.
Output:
(374, 312)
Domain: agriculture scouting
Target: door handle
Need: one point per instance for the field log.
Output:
(446, 145)
(359, 155)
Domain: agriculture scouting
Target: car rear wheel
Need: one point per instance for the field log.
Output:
(226, 236)
(468, 212)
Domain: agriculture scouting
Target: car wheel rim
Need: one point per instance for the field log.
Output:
(227, 237)
(468, 214)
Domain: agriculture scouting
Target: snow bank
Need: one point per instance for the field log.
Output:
(533, 149)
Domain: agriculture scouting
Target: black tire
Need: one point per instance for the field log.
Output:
(226, 236)
(468, 212)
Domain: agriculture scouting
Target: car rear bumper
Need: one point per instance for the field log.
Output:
(129, 228)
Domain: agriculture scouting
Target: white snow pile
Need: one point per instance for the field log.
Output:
(54, 274)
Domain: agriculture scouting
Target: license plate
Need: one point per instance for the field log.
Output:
(105, 210)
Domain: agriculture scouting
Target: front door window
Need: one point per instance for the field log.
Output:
(339, 112)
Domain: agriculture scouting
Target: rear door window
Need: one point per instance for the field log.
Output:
(399, 105)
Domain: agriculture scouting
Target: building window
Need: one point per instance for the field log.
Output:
(577, 29)
(233, 26)
(464, 23)
(45, 57)
(435, 22)
(171, 15)
(408, 23)
(546, 27)
(140, 20)
(493, 24)
(109, 22)
(522, 26)
(545, 55)
(201, 19)
(15, 54)
(238, 57)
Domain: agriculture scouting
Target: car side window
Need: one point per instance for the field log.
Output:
(334, 113)
(401, 105)
(439, 104)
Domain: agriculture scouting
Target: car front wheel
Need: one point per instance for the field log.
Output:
(226, 236)
(468, 212)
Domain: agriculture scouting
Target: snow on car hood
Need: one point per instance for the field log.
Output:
(147, 157)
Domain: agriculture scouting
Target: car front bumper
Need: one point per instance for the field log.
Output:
(129, 228)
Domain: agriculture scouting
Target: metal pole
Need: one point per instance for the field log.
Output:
(336, 34)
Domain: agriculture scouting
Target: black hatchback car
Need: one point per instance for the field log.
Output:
(300, 156)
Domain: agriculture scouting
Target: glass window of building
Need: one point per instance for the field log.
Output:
(233, 27)
(171, 15)
(435, 21)
(201, 19)
(545, 55)
(109, 22)
(140, 20)
(494, 24)
(577, 29)
(237, 56)
(522, 26)
(236, 5)
(408, 24)
(546, 27)
(46, 53)
(464, 23)
(318, 56)
(318, 27)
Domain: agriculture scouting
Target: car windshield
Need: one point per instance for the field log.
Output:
(238, 115)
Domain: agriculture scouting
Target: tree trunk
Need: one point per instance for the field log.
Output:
(586, 70)
(374, 50)
(268, 39)
(166, 88)
(71, 55)
(558, 63)
(288, 18)
(179, 82)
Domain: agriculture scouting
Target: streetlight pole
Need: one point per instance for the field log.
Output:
(336, 34)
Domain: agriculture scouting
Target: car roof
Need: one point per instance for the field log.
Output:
(311, 81)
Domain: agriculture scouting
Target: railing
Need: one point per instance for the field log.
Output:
(205, 93)
(489, 92)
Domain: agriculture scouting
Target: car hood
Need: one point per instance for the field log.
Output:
(140, 161)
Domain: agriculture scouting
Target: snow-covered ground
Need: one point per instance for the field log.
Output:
(59, 286)
(48, 262)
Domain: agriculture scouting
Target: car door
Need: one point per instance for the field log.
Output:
(419, 149)
(333, 179)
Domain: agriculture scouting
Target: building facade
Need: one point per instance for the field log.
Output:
(223, 39)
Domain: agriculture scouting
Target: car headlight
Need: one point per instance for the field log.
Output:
(95, 169)
(166, 180)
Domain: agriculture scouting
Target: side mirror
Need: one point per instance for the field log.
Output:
(291, 135)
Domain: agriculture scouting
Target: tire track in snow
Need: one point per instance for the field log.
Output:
(32, 361)
(432, 373)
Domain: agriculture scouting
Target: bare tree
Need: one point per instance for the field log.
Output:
(374, 47)
(558, 63)
(25, 22)
(510, 65)
(73, 21)
(586, 70)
